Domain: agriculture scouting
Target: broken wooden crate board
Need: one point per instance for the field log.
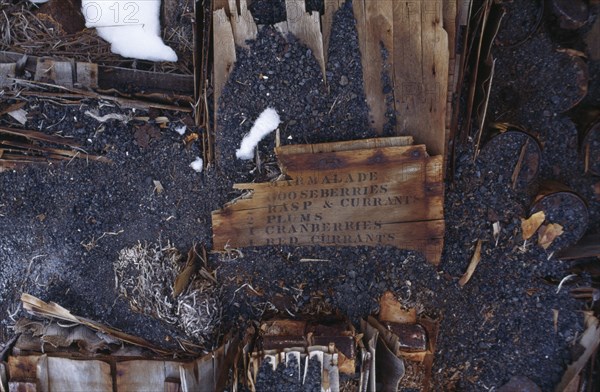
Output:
(369, 192)
(414, 43)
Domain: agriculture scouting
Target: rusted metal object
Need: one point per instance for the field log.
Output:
(590, 147)
(562, 206)
(411, 337)
(570, 14)
(519, 150)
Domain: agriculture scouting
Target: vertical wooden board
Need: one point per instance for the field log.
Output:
(224, 53)
(421, 72)
(87, 75)
(450, 15)
(198, 375)
(307, 28)
(242, 22)
(375, 27)
(70, 375)
(56, 72)
(145, 375)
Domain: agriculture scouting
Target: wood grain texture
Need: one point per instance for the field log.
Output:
(421, 72)
(374, 22)
(390, 195)
(242, 23)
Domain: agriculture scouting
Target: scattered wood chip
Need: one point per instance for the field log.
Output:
(20, 115)
(589, 341)
(530, 225)
(496, 232)
(472, 265)
(555, 319)
(158, 188)
(548, 233)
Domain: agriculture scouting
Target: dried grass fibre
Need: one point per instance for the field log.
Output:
(22, 31)
(145, 275)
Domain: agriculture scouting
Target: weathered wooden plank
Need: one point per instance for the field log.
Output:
(375, 27)
(397, 141)
(224, 52)
(87, 75)
(421, 72)
(65, 374)
(307, 28)
(145, 375)
(242, 23)
(371, 196)
(115, 77)
(56, 72)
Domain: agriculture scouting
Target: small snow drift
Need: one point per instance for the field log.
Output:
(131, 27)
(267, 122)
(197, 165)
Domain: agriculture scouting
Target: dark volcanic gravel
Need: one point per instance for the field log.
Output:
(520, 21)
(269, 12)
(499, 325)
(281, 73)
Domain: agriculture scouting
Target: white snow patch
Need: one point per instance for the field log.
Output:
(131, 27)
(181, 130)
(197, 165)
(267, 122)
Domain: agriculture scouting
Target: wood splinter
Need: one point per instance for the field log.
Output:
(472, 265)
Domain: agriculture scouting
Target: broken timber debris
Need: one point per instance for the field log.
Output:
(368, 192)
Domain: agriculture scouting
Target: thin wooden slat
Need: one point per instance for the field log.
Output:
(421, 59)
(375, 28)
(39, 136)
(224, 53)
(397, 141)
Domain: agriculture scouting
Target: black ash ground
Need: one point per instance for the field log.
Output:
(498, 325)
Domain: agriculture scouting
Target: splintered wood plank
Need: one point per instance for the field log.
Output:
(421, 72)
(307, 28)
(55, 72)
(242, 23)
(375, 27)
(397, 141)
(7, 72)
(224, 52)
(450, 11)
(369, 196)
